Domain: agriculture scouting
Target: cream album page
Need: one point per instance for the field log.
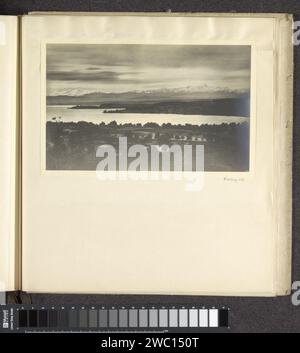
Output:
(8, 146)
(104, 96)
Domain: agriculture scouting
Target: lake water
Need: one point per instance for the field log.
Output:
(97, 116)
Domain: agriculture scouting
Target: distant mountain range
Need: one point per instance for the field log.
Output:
(150, 96)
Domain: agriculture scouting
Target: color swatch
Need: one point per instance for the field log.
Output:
(121, 318)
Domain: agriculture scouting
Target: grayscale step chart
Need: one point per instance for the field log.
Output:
(30, 318)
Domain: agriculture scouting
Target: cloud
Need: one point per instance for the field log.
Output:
(139, 55)
(82, 76)
(93, 68)
(101, 76)
(120, 68)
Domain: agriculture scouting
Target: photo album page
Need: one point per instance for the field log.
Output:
(151, 148)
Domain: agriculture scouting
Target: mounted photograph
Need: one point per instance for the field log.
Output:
(153, 95)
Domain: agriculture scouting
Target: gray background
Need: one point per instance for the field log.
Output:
(247, 314)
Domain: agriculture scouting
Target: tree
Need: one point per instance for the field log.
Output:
(113, 124)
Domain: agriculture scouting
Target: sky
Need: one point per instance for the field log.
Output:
(75, 69)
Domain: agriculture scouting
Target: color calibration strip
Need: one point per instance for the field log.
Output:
(121, 319)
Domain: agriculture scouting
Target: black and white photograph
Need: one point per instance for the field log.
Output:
(166, 94)
(150, 154)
